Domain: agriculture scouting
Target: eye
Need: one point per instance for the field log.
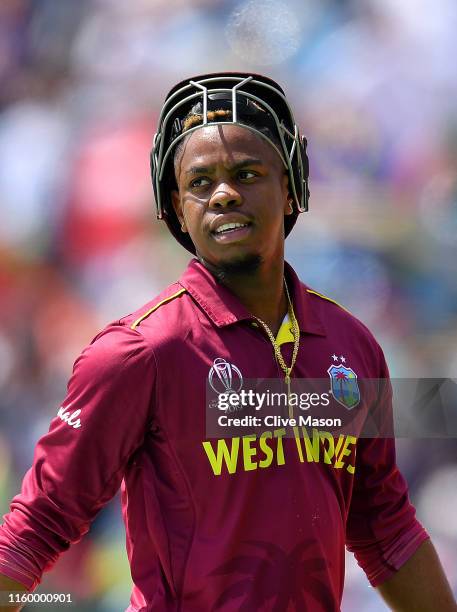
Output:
(199, 182)
(245, 175)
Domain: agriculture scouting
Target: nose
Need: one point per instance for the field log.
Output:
(225, 196)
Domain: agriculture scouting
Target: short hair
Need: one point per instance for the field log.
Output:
(254, 101)
(257, 117)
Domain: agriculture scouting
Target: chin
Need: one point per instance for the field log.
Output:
(237, 265)
(242, 264)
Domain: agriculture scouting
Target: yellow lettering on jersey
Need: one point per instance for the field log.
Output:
(223, 454)
(251, 452)
(332, 452)
(298, 443)
(345, 452)
(312, 448)
(328, 450)
(266, 449)
(279, 434)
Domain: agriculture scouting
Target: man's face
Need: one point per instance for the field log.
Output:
(227, 175)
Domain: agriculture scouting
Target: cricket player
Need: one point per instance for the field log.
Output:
(248, 523)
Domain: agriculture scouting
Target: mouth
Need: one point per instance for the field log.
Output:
(232, 231)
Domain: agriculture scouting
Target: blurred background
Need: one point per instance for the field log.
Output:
(81, 86)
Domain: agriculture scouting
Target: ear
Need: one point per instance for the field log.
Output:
(177, 206)
(288, 199)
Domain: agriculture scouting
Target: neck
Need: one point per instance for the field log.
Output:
(260, 290)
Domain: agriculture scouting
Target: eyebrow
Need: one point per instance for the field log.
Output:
(208, 169)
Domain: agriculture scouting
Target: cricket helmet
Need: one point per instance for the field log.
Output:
(255, 102)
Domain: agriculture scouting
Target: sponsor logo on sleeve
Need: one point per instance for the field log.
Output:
(70, 418)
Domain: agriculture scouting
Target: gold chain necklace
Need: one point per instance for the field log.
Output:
(296, 334)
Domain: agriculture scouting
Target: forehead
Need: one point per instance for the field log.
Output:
(226, 144)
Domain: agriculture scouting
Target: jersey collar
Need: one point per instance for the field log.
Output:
(223, 308)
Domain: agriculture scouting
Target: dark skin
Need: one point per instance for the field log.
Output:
(244, 173)
(257, 193)
(210, 184)
(420, 585)
(227, 174)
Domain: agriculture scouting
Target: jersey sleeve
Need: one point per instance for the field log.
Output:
(382, 530)
(78, 465)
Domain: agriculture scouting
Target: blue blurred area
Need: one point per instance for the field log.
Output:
(81, 83)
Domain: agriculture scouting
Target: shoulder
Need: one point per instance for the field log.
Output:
(167, 316)
(340, 323)
(167, 304)
(128, 344)
(115, 353)
(335, 313)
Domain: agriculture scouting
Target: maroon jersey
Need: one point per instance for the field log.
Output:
(252, 523)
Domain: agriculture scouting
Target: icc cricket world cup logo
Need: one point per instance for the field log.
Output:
(224, 377)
